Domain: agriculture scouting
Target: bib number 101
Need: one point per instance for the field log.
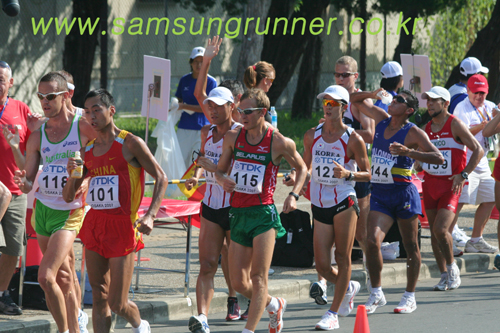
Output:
(101, 194)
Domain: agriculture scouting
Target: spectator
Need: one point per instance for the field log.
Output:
(392, 80)
(261, 75)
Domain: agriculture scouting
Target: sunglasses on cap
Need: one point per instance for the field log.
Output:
(333, 103)
(3, 64)
(401, 99)
(344, 75)
(49, 96)
(248, 111)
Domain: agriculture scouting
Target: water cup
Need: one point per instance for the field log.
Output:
(385, 97)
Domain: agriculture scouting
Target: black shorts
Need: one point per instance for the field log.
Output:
(326, 215)
(362, 189)
(217, 216)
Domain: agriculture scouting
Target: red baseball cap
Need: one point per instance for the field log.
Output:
(478, 83)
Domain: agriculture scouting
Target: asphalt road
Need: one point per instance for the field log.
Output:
(471, 308)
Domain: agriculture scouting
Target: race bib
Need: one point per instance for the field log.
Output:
(323, 170)
(381, 170)
(52, 179)
(103, 192)
(442, 169)
(248, 177)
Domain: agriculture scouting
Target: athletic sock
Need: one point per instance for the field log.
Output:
(246, 331)
(67, 331)
(138, 329)
(348, 287)
(409, 294)
(445, 274)
(274, 305)
(377, 290)
(203, 317)
(475, 239)
(332, 312)
(1, 293)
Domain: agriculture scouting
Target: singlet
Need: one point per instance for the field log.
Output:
(215, 196)
(253, 171)
(79, 111)
(53, 177)
(116, 187)
(388, 170)
(454, 153)
(326, 190)
(458, 92)
(349, 118)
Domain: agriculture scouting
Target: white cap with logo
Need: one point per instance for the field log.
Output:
(437, 92)
(220, 96)
(391, 69)
(197, 52)
(471, 65)
(336, 92)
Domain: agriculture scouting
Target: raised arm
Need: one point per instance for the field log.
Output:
(368, 125)
(370, 110)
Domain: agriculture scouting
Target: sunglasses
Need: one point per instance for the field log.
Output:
(248, 111)
(333, 103)
(344, 75)
(272, 80)
(3, 64)
(401, 99)
(49, 96)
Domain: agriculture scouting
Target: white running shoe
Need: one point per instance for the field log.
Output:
(144, 327)
(479, 246)
(456, 251)
(442, 284)
(348, 301)
(83, 320)
(328, 322)
(407, 305)
(454, 280)
(276, 318)
(460, 238)
(318, 292)
(375, 301)
(196, 324)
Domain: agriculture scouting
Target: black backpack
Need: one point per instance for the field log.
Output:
(33, 295)
(295, 249)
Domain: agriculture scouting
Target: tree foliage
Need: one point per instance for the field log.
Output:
(232, 7)
(449, 43)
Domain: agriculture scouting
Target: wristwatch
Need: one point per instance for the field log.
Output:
(464, 175)
(350, 177)
(296, 196)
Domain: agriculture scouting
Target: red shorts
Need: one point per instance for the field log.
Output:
(438, 194)
(110, 235)
(496, 170)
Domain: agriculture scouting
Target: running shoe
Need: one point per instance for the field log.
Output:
(454, 280)
(83, 320)
(233, 309)
(460, 238)
(328, 322)
(7, 305)
(442, 284)
(145, 328)
(375, 301)
(407, 305)
(496, 263)
(479, 246)
(244, 316)
(198, 325)
(456, 251)
(276, 318)
(348, 301)
(318, 292)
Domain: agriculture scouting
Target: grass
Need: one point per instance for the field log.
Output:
(137, 126)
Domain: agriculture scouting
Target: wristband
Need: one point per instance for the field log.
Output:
(296, 196)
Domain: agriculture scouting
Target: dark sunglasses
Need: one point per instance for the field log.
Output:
(331, 102)
(401, 99)
(49, 96)
(344, 75)
(3, 64)
(248, 111)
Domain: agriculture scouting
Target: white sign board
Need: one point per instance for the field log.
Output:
(156, 73)
(417, 75)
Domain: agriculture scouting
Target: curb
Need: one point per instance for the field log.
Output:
(163, 309)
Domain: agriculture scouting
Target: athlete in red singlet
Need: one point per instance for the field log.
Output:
(443, 183)
(115, 161)
(256, 150)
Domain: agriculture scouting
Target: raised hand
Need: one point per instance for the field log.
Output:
(213, 47)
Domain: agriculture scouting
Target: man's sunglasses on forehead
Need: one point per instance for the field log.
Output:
(3, 64)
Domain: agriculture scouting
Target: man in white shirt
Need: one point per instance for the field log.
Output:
(475, 111)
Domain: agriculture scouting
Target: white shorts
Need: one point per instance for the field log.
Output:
(189, 141)
(480, 188)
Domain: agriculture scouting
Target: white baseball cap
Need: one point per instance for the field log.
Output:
(391, 69)
(471, 65)
(336, 92)
(197, 52)
(437, 92)
(220, 96)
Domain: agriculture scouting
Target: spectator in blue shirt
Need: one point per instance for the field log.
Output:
(192, 119)
(392, 80)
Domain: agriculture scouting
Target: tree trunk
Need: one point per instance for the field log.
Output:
(284, 51)
(79, 50)
(308, 83)
(486, 48)
(405, 41)
(362, 50)
(251, 47)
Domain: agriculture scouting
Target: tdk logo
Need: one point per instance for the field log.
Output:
(96, 181)
(69, 143)
(249, 167)
(45, 150)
